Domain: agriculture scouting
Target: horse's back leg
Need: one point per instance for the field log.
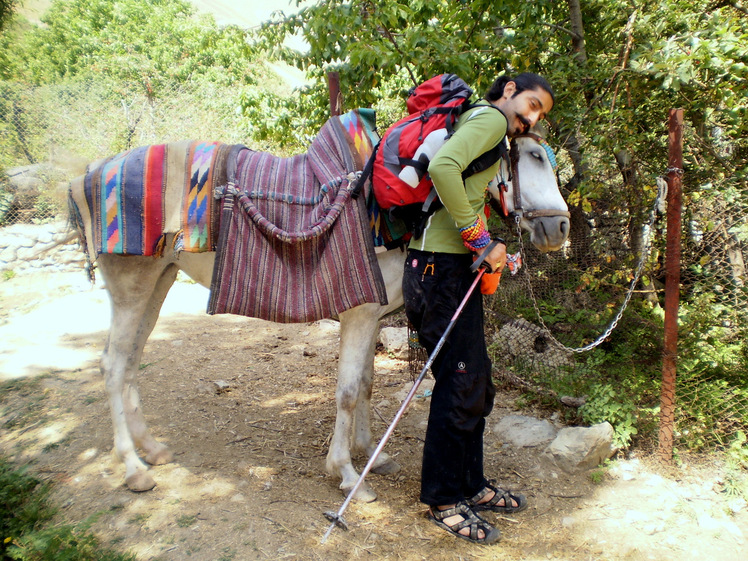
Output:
(137, 287)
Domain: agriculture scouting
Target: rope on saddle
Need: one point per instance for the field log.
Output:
(321, 226)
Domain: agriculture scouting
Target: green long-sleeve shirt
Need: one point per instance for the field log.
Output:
(478, 130)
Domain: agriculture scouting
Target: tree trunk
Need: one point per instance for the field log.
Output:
(577, 28)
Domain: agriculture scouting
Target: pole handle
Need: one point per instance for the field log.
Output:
(480, 261)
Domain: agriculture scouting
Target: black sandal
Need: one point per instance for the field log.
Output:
(469, 520)
(493, 505)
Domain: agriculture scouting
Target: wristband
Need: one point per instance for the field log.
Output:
(475, 236)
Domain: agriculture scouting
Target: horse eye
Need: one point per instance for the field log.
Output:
(537, 155)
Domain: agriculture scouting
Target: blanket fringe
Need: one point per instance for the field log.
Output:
(158, 251)
(178, 243)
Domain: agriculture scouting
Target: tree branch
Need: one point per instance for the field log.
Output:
(391, 38)
(561, 28)
(625, 57)
(475, 26)
(732, 3)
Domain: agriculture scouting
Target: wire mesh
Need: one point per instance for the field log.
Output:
(574, 295)
(48, 134)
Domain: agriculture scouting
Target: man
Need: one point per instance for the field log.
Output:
(437, 277)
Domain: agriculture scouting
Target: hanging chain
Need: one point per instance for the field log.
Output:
(647, 245)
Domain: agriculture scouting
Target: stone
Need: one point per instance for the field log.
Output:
(8, 254)
(424, 390)
(577, 449)
(27, 253)
(525, 432)
(395, 341)
(221, 386)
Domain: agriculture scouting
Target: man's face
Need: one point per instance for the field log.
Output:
(523, 110)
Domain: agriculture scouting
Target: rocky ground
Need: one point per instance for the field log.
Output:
(248, 406)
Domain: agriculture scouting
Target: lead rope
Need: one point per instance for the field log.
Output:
(647, 246)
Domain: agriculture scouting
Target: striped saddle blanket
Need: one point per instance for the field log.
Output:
(126, 204)
(293, 241)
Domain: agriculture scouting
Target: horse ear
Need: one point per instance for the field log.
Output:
(541, 129)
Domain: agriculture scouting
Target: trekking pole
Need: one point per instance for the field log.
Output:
(336, 518)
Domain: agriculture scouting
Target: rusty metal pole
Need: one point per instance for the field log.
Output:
(672, 284)
(336, 100)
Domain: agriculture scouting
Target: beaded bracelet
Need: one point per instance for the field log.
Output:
(475, 236)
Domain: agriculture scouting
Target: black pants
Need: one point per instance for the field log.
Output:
(434, 284)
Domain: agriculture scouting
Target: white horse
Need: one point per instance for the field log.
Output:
(138, 285)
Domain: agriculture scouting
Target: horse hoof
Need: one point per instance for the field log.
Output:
(139, 482)
(163, 456)
(364, 494)
(386, 468)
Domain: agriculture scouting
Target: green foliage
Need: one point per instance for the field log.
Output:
(636, 63)
(23, 503)
(605, 403)
(63, 543)
(25, 533)
(736, 473)
(738, 451)
(186, 520)
(6, 11)
(117, 67)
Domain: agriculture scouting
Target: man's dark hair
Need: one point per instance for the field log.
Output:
(524, 81)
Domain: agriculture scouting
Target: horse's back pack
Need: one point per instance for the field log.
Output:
(400, 180)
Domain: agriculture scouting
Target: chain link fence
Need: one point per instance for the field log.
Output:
(564, 301)
(49, 133)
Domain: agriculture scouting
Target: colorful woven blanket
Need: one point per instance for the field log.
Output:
(295, 245)
(125, 204)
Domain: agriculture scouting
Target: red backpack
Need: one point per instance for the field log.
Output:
(433, 105)
(400, 180)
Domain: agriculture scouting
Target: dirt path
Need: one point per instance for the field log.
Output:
(249, 480)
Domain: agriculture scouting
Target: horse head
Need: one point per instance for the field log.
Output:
(527, 189)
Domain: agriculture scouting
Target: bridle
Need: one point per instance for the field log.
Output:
(512, 162)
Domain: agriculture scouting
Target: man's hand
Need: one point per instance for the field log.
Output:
(496, 258)
(493, 257)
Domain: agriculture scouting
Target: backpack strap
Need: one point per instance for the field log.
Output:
(366, 173)
(486, 160)
(489, 158)
(481, 163)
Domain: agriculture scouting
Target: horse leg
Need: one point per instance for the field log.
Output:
(367, 331)
(156, 453)
(137, 290)
(358, 332)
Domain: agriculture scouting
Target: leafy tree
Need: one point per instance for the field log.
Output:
(132, 59)
(7, 8)
(148, 42)
(618, 67)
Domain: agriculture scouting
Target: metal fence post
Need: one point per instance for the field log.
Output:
(672, 284)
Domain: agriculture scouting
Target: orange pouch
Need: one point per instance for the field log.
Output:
(489, 282)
